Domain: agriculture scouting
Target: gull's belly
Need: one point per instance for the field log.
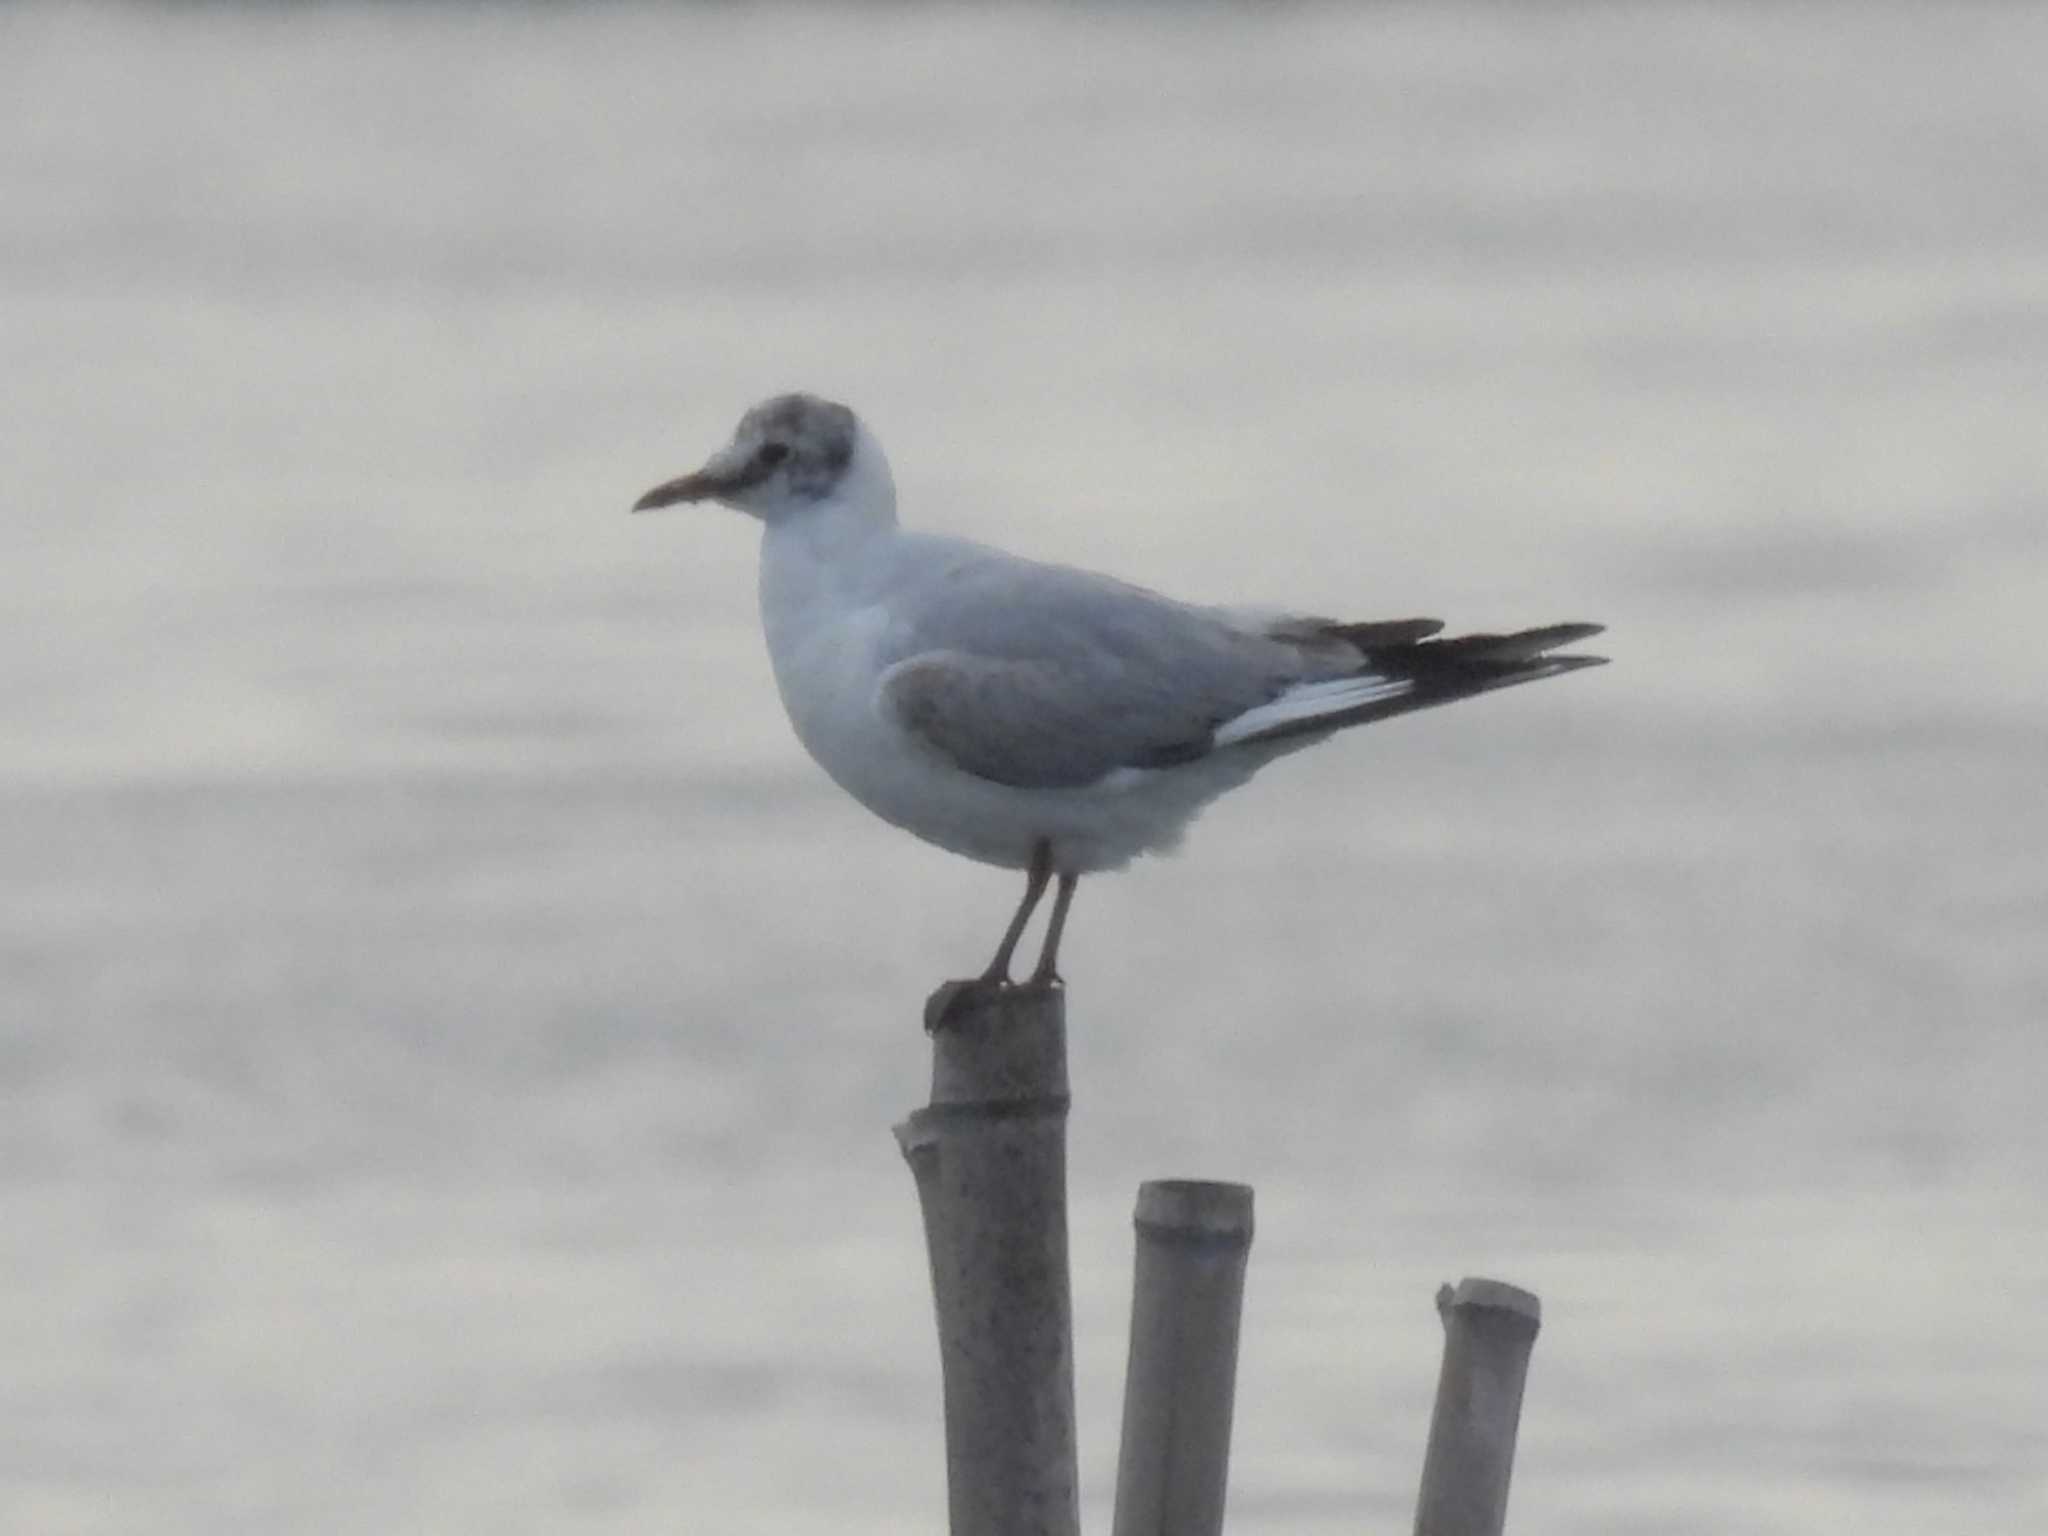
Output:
(828, 674)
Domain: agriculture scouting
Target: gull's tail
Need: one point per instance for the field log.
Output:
(1404, 669)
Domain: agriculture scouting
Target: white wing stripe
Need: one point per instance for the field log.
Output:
(1311, 701)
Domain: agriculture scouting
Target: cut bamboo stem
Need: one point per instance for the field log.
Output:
(1489, 1330)
(989, 1156)
(1186, 1306)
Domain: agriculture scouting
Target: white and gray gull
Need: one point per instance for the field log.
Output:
(1035, 716)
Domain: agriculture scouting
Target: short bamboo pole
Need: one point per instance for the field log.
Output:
(1186, 1305)
(989, 1156)
(1489, 1330)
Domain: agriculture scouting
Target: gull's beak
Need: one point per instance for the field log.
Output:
(694, 487)
(724, 473)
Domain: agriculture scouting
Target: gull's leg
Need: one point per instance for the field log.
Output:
(1035, 878)
(939, 1007)
(1048, 974)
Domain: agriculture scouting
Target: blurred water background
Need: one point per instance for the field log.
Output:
(450, 1032)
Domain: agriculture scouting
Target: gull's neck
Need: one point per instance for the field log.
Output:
(866, 490)
(861, 506)
(812, 552)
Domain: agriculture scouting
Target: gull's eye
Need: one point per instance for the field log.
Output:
(771, 454)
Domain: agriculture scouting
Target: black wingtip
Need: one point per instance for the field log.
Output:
(1523, 644)
(1383, 633)
(1466, 664)
(1444, 671)
(1570, 634)
(1557, 666)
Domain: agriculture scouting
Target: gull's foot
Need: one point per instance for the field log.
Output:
(954, 1000)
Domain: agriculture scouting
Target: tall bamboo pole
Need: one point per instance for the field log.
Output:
(989, 1157)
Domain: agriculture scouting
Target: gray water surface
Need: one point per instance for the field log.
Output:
(448, 1032)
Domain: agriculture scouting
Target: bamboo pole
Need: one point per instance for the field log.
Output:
(1489, 1330)
(1186, 1304)
(989, 1157)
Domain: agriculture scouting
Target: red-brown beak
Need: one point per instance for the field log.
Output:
(698, 486)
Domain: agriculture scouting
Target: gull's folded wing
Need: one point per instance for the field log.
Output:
(1041, 677)
(1040, 725)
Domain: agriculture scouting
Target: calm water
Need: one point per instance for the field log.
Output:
(449, 1032)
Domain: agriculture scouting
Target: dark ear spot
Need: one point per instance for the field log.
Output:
(839, 444)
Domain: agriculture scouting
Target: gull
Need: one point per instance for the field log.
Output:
(1034, 716)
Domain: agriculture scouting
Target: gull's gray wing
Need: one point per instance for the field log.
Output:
(1035, 725)
(1043, 677)
(1048, 678)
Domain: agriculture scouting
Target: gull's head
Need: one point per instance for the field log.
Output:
(787, 453)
